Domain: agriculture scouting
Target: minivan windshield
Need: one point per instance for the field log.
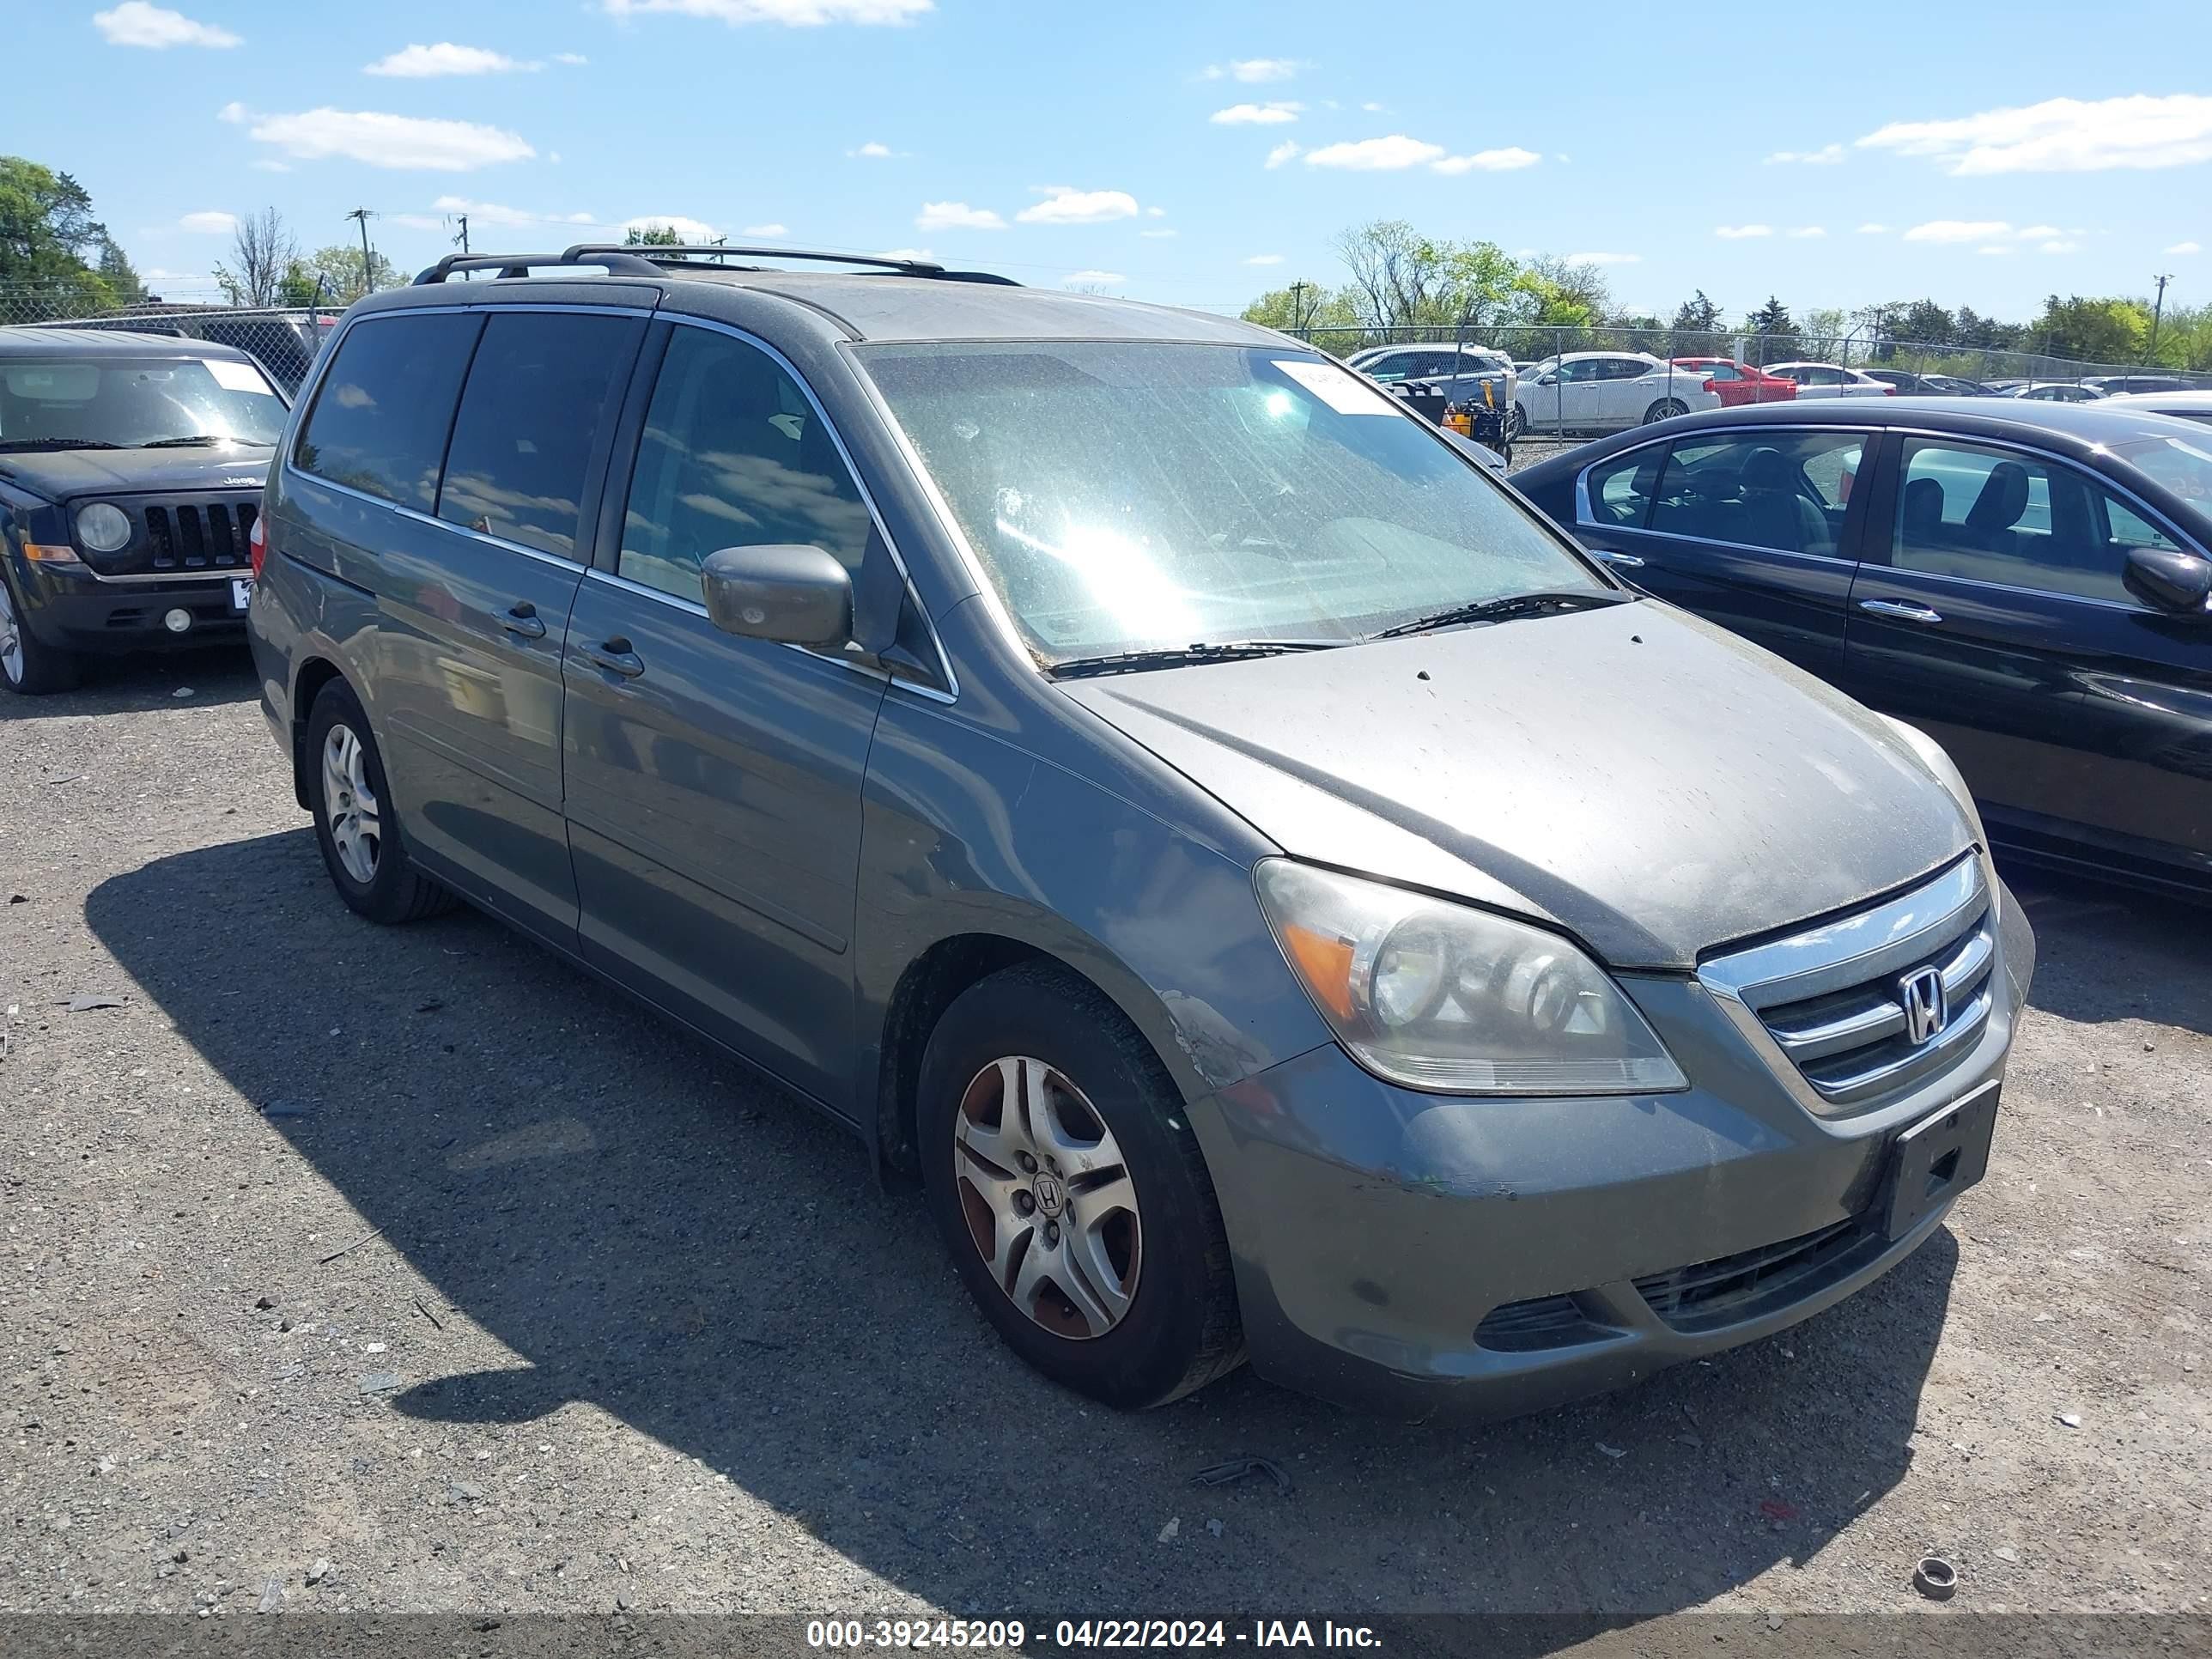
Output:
(132, 403)
(1127, 497)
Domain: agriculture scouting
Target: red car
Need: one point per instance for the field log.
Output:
(1736, 383)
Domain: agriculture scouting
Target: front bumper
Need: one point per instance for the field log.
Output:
(1416, 1253)
(73, 610)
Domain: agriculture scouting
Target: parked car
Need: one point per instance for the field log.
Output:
(1830, 380)
(1143, 783)
(1906, 384)
(2025, 582)
(2056, 392)
(1387, 365)
(2182, 405)
(1736, 384)
(131, 471)
(2120, 384)
(1605, 392)
(284, 342)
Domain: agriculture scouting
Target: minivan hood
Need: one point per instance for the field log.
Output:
(61, 474)
(1644, 780)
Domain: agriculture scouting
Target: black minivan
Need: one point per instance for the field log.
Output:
(2028, 582)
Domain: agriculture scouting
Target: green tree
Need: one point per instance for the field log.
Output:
(1698, 314)
(2091, 330)
(48, 241)
(339, 267)
(653, 236)
(1330, 320)
(1926, 323)
(1771, 323)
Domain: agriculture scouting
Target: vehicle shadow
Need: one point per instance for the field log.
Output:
(701, 1256)
(2108, 952)
(113, 685)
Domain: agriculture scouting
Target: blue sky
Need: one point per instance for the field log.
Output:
(1129, 146)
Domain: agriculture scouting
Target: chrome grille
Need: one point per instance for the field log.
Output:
(1832, 998)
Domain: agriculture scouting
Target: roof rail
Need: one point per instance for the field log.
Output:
(615, 261)
(685, 256)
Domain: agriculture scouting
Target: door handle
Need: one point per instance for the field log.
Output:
(1901, 610)
(522, 619)
(1626, 560)
(616, 657)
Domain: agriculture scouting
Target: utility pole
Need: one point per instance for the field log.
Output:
(1298, 305)
(462, 239)
(360, 215)
(2156, 312)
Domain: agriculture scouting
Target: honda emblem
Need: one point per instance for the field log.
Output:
(1927, 1011)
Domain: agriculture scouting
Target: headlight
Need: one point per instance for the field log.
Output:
(1939, 766)
(1442, 997)
(103, 527)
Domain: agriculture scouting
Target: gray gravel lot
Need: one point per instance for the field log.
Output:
(636, 1330)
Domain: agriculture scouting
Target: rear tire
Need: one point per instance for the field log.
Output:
(355, 824)
(1056, 1148)
(1665, 409)
(28, 665)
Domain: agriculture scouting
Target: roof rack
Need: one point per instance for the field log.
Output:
(649, 259)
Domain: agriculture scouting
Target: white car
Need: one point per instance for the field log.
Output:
(1389, 364)
(1830, 380)
(2182, 405)
(1607, 392)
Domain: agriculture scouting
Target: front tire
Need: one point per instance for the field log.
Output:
(28, 665)
(354, 823)
(1063, 1175)
(1665, 409)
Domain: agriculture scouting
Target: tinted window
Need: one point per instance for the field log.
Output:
(381, 416)
(1788, 491)
(732, 455)
(1620, 488)
(543, 386)
(1999, 516)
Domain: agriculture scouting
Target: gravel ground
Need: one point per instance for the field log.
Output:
(636, 1329)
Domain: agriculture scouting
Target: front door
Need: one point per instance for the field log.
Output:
(713, 782)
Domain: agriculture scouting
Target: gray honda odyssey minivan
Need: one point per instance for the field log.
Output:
(1276, 894)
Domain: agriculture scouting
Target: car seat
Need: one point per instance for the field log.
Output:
(1775, 511)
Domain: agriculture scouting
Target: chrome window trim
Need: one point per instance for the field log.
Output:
(420, 517)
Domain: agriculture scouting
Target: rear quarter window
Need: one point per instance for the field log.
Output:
(383, 411)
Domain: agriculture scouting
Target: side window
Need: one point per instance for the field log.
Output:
(1784, 490)
(544, 385)
(1620, 488)
(1999, 516)
(381, 415)
(732, 455)
(2127, 529)
(1583, 368)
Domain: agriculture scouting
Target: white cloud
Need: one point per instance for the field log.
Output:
(420, 62)
(2062, 245)
(570, 57)
(1958, 230)
(793, 13)
(1253, 70)
(872, 151)
(1739, 232)
(1604, 259)
(1375, 109)
(1094, 279)
(1488, 161)
(1288, 151)
(1872, 229)
(2061, 134)
(1809, 233)
(921, 253)
(1264, 259)
(495, 213)
(208, 224)
(1257, 115)
(1158, 234)
(2185, 247)
(785, 230)
(957, 215)
(1375, 154)
(1064, 205)
(135, 23)
(1826, 156)
(383, 140)
(686, 229)
(2029, 233)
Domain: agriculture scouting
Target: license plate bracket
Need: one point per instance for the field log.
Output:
(1937, 1158)
(242, 594)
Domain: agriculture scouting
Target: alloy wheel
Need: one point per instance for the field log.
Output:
(1048, 1200)
(356, 828)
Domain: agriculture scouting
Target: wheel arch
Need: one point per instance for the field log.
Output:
(314, 672)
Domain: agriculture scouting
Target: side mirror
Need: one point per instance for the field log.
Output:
(1547, 379)
(792, 594)
(2168, 581)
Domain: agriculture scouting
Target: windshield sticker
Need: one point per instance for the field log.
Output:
(1343, 391)
(235, 376)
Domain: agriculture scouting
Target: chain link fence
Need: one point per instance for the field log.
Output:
(284, 339)
(1855, 348)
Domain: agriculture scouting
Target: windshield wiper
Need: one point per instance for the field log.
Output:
(1505, 609)
(1178, 656)
(195, 441)
(15, 445)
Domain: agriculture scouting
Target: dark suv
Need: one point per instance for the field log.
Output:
(1275, 893)
(131, 474)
